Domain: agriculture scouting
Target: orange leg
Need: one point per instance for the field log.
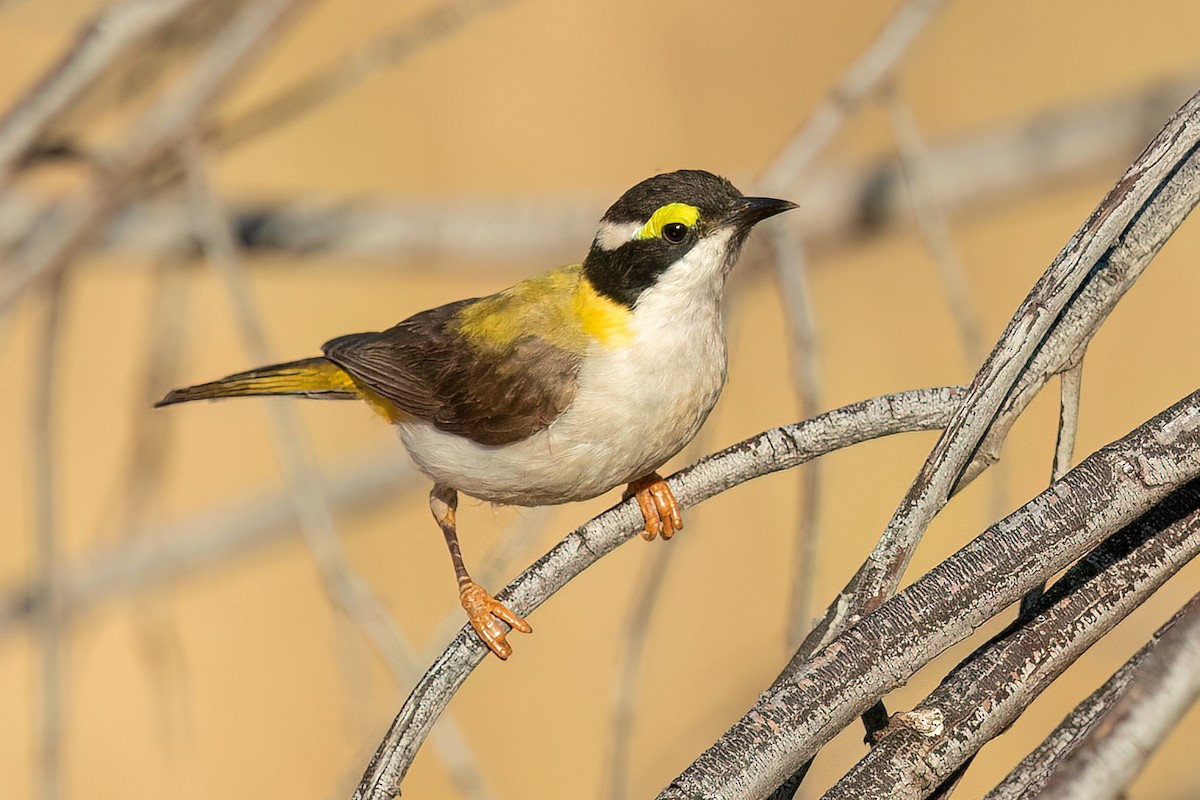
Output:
(659, 507)
(484, 612)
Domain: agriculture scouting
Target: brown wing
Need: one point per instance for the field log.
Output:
(491, 394)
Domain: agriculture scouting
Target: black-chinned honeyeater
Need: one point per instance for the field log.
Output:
(561, 387)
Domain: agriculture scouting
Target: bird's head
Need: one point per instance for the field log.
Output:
(682, 230)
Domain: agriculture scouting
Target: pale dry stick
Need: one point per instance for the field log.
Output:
(631, 654)
(1028, 777)
(993, 686)
(1070, 384)
(933, 226)
(112, 33)
(838, 205)
(210, 540)
(348, 71)
(51, 621)
(771, 451)
(348, 591)
(875, 64)
(809, 705)
(791, 277)
(1161, 689)
(157, 131)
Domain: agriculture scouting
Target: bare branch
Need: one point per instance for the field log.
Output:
(159, 129)
(986, 693)
(1148, 203)
(810, 703)
(1030, 776)
(1163, 685)
(774, 450)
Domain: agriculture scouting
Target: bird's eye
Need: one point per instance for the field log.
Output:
(674, 232)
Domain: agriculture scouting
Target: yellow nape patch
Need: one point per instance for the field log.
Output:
(664, 216)
(602, 319)
(536, 307)
(561, 308)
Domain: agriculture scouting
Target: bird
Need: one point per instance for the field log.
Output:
(560, 387)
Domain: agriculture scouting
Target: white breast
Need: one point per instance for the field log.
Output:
(636, 406)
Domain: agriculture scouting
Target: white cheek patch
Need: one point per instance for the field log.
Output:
(611, 235)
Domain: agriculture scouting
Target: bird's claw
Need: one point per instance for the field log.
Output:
(659, 507)
(485, 614)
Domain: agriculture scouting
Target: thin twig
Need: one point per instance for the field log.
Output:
(631, 653)
(51, 620)
(774, 450)
(345, 587)
(1070, 386)
(791, 276)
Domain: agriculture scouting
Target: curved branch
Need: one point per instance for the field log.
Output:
(993, 686)
(771, 451)
(807, 706)
(1028, 777)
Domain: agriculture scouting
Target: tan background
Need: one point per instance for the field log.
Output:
(240, 682)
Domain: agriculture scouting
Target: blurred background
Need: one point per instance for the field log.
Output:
(378, 158)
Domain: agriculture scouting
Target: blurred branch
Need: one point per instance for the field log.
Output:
(811, 703)
(1030, 776)
(791, 165)
(934, 227)
(349, 71)
(204, 541)
(51, 619)
(772, 451)
(791, 277)
(838, 205)
(993, 686)
(112, 34)
(162, 127)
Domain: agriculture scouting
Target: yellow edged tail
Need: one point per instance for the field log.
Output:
(310, 377)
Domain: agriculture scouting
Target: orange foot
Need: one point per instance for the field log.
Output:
(659, 507)
(486, 613)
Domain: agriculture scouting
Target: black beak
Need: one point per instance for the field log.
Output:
(753, 210)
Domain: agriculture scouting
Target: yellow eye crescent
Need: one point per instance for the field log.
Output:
(666, 215)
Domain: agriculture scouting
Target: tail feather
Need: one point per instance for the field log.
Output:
(310, 377)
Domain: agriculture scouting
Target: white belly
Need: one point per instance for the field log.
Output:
(635, 407)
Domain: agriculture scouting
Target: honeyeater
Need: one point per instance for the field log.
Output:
(558, 388)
